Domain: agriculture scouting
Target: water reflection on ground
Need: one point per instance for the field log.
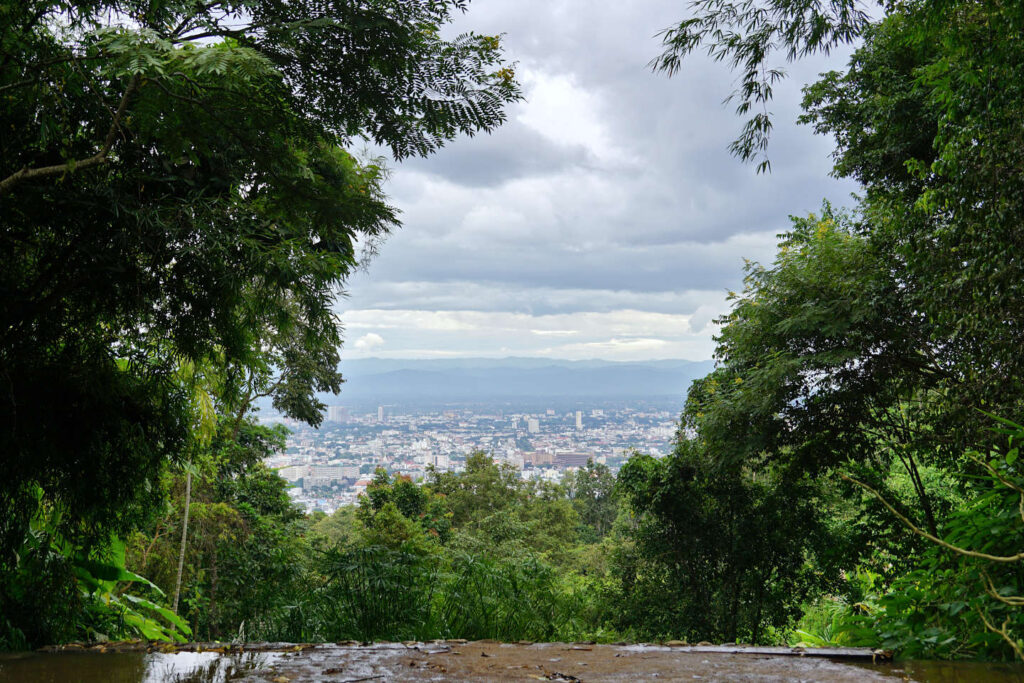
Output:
(953, 672)
(132, 667)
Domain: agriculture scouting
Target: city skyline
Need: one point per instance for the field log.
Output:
(331, 466)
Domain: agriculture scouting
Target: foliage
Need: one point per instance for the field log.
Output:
(177, 209)
(509, 600)
(812, 357)
(246, 547)
(719, 554)
(398, 568)
(376, 593)
(57, 593)
(963, 598)
(415, 503)
(924, 119)
(594, 497)
(868, 343)
(175, 190)
(495, 512)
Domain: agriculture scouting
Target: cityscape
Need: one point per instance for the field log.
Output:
(329, 467)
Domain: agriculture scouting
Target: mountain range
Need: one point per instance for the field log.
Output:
(477, 379)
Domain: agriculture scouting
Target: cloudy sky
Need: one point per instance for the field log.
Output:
(605, 219)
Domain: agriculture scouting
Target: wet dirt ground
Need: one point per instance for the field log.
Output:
(461, 661)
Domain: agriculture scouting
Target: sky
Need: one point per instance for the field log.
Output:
(605, 219)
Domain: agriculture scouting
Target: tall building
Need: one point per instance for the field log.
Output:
(380, 413)
(579, 419)
(337, 414)
(533, 425)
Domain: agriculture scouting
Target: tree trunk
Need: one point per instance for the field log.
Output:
(214, 627)
(922, 495)
(184, 536)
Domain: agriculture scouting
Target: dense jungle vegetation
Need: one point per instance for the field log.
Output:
(178, 211)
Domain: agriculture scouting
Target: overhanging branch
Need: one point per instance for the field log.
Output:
(8, 183)
(931, 537)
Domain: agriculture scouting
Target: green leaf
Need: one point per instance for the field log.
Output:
(100, 571)
(167, 614)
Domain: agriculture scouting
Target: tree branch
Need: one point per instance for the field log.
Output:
(1003, 632)
(934, 539)
(1012, 600)
(115, 125)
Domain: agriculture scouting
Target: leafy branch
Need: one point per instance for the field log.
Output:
(8, 183)
(745, 34)
(931, 537)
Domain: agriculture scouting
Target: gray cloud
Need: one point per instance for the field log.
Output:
(610, 189)
(513, 151)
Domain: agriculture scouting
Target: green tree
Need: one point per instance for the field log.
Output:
(963, 596)
(495, 512)
(924, 119)
(246, 550)
(397, 511)
(592, 492)
(821, 362)
(174, 188)
(485, 487)
(720, 554)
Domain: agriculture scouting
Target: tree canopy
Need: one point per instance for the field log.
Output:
(175, 188)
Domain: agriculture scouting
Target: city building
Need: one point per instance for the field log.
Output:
(572, 459)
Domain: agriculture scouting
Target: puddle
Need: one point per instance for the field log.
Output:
(132, 667)
(952, 672)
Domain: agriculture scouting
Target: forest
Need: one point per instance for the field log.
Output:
(179, 207)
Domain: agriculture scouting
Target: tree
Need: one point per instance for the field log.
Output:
(174, 187)
(821, 362)
(924, 119)
(246, 548)
(872, 345)
(963, 596)
(592, 492)
(497, 514)
(484, 488)
(720, 554)
(398, 508)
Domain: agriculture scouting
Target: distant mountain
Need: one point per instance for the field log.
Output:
(478, 379)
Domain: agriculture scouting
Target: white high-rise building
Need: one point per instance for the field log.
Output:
(533, 425)
(579, 419)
